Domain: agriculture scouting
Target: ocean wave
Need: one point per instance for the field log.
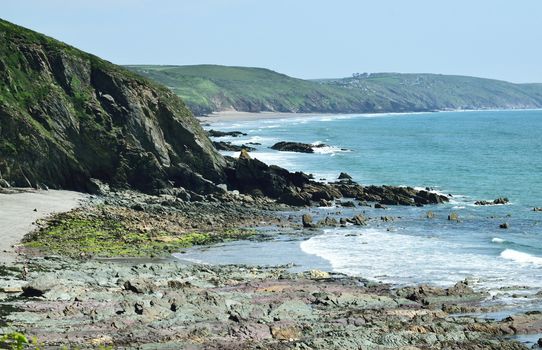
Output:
(330, 150)
(404, 259)
(264, 140)
(498, 240)
(521, 257)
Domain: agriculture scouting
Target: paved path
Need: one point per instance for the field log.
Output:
(20, 208)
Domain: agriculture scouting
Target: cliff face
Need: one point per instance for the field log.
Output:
(67, 116)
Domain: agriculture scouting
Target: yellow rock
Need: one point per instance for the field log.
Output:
(317, 274)
(289, 333)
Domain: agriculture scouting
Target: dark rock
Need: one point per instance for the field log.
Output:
(217, 133)
(328, 221)
(504, 225)
(295, 147)
(348, 204)
(4, 183)
(359, 220)
(246, 175)
(498, 201)
(537, 209)
(325, 203)
(344, 176)
(306, 219)
(228, 146)
(380, 206)
(292, 196)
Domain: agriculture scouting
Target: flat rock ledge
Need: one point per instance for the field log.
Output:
(144, 304)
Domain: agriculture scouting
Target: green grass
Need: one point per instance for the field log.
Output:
(209, 88)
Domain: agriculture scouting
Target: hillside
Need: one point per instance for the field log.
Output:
(67, 116)
(209, 88)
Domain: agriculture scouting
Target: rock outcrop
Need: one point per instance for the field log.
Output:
(254, 177)
(67, 117)
(296, 147)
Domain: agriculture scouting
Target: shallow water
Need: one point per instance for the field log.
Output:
(471, 155)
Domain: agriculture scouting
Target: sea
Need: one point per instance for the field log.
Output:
(469, 155)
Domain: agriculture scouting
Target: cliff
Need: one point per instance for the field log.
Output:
(67, 117)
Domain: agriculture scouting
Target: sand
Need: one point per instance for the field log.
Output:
(19, 210)
(234, 116)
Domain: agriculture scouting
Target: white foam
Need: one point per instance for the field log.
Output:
(498, 240)
(407, 259)
(521, 257)
(329, 150)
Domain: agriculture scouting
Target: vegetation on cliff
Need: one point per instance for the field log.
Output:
(67, 116)
(210, 88)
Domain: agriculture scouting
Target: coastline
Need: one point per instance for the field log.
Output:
(236, 116)
(90, 302)
(115, 301)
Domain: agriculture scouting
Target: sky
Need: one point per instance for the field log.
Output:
(499, 39)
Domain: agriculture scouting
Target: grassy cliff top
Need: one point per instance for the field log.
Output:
(209, 88)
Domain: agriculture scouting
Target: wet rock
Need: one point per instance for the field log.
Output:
(325, 203)
(380, 206)
(348, 204)
(537, 209)
(498, 201)
(453, 216)
(344, 176)
(217, 133)
(328, 221)
(504, 225)
(306, 219)
(295, 147)
(295, 197)
(527, 323)
(228, 146)
(358, 220)
(430, 215)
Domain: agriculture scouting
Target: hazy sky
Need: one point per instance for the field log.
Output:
(303, 38)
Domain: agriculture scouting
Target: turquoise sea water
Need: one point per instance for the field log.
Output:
(471, 155)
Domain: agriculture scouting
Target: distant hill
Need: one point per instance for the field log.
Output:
(210, 88)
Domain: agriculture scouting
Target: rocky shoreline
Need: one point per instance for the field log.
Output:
(74, 288)
(165, 304)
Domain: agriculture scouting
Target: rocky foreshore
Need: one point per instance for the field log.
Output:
(93, 293)
(167, 304)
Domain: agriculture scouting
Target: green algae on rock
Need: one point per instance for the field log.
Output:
(89, 232)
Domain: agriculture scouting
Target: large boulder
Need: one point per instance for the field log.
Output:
(295, 147)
